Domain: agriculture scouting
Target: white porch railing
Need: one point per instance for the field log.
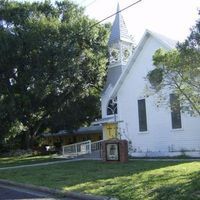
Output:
(83, 148)
(96, 146)
(74, 150)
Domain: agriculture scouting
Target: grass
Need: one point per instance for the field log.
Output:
(138, 180)
(24, 160)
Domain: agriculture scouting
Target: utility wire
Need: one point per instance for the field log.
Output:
(116, 13)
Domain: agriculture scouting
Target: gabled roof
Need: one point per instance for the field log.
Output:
(119, 30)
(166, 42)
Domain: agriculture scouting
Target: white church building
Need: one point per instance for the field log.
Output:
(128, 113)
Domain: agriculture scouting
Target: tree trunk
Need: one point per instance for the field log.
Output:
(25, 141)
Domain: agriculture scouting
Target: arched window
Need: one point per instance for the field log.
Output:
(112, 107)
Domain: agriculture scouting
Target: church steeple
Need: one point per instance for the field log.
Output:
(120, 42)
(120, 46)
(119, 30)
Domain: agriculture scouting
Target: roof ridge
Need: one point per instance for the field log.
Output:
(147, 33)
(163, 38)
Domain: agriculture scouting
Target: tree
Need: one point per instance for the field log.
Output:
(179, 71)
(52, 65)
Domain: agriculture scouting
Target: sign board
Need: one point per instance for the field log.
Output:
(110, 131)
(112, 152)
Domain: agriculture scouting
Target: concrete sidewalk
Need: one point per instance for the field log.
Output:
(41, 164)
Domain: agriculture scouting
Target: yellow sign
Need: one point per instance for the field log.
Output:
(111, 131)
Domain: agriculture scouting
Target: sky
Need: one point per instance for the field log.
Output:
(172, 18)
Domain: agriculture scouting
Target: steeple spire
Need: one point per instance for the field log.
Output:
(118, 7)
(120, 47)
(119, 30)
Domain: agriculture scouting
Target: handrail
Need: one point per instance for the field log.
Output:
(77, 143)
(82, 148)
(97, 141)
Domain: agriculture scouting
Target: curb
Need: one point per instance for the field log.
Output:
(73, 195)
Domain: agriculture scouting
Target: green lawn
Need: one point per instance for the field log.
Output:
(144, 180)
(23, 160)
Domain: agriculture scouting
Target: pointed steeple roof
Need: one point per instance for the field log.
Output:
(119, 30)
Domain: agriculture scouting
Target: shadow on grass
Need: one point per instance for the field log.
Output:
(167, 181)
(183, 190)
(134, 180)
(97, 170)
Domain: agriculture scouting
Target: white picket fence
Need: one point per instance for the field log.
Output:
(82, 148)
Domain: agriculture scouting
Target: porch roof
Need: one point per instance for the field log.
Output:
(106, 120)
(80, 131)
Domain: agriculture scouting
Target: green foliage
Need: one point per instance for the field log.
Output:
(179, 71)
(52, 65)
(155, 77)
